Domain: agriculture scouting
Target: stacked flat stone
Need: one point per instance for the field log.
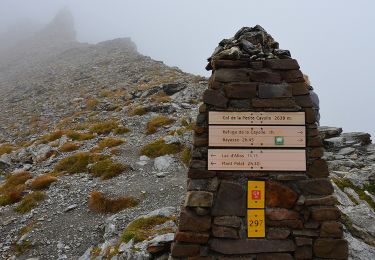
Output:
(302, 221)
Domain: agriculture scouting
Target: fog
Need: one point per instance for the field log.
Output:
(332, 40)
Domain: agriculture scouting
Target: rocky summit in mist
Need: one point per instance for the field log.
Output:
(94, 143)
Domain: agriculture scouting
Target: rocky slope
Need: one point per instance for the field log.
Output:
(64, 101)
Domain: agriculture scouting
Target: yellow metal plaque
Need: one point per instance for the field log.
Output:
(257, 136)
(255, 194)
(255, 223)
(256, 118)
(257, 159)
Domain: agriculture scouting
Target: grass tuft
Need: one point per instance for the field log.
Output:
(121, 130)
(107, 169)
(78, 162)
(69, 147)
(30, 201)
(99, 203)
(42, 182)
(6, 148)
(159, 148)
(143, 228)
(186, 155)
(137, 111)
(160, 97)
(12, 190)
(104, 127)
(110, 142)
(153, 125)
(91, 103)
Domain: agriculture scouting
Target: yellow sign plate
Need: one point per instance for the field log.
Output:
(255, 194)
(256, 118)
(255, 223)
(257, 136)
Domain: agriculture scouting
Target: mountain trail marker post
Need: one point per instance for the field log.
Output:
(257, 185)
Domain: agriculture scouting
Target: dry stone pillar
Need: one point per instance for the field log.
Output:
(251, 74)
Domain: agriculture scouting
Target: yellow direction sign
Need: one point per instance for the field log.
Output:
(255, 223)
(257, 159)
(257, 136)
(255, 194)
(256, 118)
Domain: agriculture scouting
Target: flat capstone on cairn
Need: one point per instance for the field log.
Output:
(251, 73)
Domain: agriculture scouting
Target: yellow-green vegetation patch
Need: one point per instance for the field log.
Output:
(137, 111)
(69, 147)
(43, 181)
(153, 125)
(104, 127)
(110, 142)
(91, 103)
(160, 97)
(78, 136)
(186, 155)
(107, 169)
(30, 201)
(159, 148)
(74, 135)
(143, 228)
(6, 148)
(78, 162)
(121, 130)
(345, 183)
(98, 202)
(14, 186)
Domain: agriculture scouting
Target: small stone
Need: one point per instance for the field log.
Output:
(303, 252)
(277, 233)
(279, 195)
(323, 201)
(231, 75)
(326, 213)
(70, 207)
(198, 199)
(202, 211)
(306, 233)
(317, 186)
(318, 169)
(303, 241)
(274, 256)
(184, 250)
(189, 221)
(215, 98)
(274, 103)
(162, 163)
(192, 237)
(331, 248)
(241, 90)
(264, 76)
(282, 64)
(282, 90)
(228, 221)
(230, 200)
(346, 151)
(160, 174)
(281, 214)
(225, 232)
(250, 246)
(331, 229)
(299, 88)
(292, 76)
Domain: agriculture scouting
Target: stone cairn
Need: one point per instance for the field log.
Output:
(251, 73)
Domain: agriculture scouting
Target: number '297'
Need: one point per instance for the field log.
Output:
(255, 223)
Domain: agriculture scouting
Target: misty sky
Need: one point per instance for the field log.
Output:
(332, 40)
